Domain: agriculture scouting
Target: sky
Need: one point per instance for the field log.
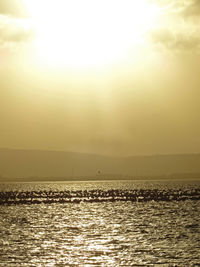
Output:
(107, 77)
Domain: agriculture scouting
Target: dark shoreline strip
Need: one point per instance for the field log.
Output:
(49, 197)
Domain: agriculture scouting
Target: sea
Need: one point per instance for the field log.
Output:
(104, 223)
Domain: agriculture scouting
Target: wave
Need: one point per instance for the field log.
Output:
(77, 196)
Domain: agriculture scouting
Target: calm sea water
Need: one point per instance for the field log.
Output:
(115, 223)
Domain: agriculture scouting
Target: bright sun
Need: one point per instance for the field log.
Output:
(91, 32)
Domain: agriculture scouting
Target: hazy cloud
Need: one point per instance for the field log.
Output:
(12, 7)
(180, 27)
(192, 9)
(181, 7)
(176, 40)
(14, 30)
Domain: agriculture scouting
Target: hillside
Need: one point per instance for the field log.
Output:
(37, 163)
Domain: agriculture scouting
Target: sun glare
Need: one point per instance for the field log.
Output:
(89, 33)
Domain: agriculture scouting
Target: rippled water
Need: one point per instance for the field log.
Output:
(100, 224)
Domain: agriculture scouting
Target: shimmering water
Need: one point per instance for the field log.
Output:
(117, 223)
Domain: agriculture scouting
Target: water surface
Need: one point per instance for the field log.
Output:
(115, 223)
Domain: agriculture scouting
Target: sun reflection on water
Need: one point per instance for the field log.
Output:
(120, 233)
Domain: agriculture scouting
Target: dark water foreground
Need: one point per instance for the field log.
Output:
(113, 224)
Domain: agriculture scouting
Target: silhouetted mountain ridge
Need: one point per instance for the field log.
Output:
(16, 163)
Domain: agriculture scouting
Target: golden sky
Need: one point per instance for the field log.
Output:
(117, 77)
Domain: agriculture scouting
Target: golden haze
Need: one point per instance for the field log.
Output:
(110, 77)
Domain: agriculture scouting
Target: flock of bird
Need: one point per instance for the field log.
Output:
(72, 196)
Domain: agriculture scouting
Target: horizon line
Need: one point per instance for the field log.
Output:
(100, 154)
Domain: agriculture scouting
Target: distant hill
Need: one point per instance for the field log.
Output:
(39, 164)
